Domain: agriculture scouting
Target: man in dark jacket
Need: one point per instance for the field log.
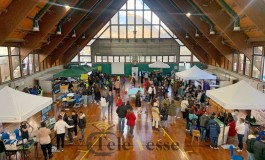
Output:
(110, 100)
(121, 111)
(70, 122)
(259, 149)
(214, 129)
(82, 124)
(250, 144)
(203, 124)
(74, 117)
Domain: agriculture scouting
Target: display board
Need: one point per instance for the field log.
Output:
(117, 68)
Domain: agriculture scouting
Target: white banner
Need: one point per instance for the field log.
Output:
(135, 73)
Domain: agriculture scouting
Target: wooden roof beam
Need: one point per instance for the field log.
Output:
(14, 15)
(93, 29)
(225, 23)
(204, 28)
(62, 48)
(254, 10)
(188, 27)
(66, 30)
(47, 23)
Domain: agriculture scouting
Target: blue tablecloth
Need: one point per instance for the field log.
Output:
(133, 91)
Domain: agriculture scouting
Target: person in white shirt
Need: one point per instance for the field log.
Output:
(183, 105)
(240, 130)
(59, 128)
(103, 104)
(151, 92)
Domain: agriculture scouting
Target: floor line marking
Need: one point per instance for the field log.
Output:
(140, 144)
(183, 152)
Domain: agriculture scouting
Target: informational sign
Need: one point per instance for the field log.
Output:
(84, 76)
(135, 73)
(99, 68)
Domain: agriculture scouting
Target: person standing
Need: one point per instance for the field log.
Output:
(59, 128)
(110, 100)
(250, 144)
(70, 122)
(163, 115)
(82, 125)
(259, 149)
(155, 115)
(130, 116)
(24, 128)
(2, 150)
(117, 86)
(44, 139)
(240, 130)
(138, 102)
(204, 119)
(74, 117)
(172, 111)
(193, 118)
(183, 106)
(121, 111)
(214, 130)
(103, 104)
(151, 92)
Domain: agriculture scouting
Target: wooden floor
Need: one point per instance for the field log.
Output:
(102, 139)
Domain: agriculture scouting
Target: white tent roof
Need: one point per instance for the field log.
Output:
(195, 73)
(238, 96)
(17, 106)
(158, 64)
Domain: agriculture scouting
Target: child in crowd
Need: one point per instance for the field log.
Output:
(130, 116)
(163, 115)
(155, 115)
(70, 122)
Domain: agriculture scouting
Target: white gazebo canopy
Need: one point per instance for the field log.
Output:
(17, 106)
(238, 96)
(158, 64)
(194, 73)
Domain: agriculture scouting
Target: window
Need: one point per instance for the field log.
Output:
(130, 4)
(116, 59)
(85, 59)
(128, 58)
(160, 58)
(185, 58)
(110, 58)
(256, 67)
(98, 59)
(153, 58)
(5, 68)
(241, 64)
(122, 31)
(25, 66)
(147, 59)
(139, 17)
(3, 51)
(86, 51)
(147, 17)
(165, 58)
(171, 58)
(235, 61)
(36, 62)
(122, 59)
(195, 59)
(179, 42)
(155, 31)
(247, 66)
(16, 66)
(114, 19)
(184, 50)
(104, 58)
(141, 59)
(155, 19)
(31, 67)
(122, 17)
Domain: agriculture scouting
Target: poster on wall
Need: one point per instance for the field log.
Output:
(135, 73)
(259, 114)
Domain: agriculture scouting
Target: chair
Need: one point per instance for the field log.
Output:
(196, 133)
(233, 156)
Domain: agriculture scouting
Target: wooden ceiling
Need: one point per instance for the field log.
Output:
(90, 16)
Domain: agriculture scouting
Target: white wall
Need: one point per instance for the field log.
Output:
(29, 80)
(220, 72)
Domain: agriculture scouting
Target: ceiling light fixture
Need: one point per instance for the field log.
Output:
(187, 36)
(36, 26)
(236, 27)
(84, 36)
(67, 7)
(197, 34)
(188, 14)
(59, 31)
(74, 34)
(212, 32)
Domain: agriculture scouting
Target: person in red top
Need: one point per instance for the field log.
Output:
(119, 101)
(146, 84)
(130, 116)
(232, 127)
